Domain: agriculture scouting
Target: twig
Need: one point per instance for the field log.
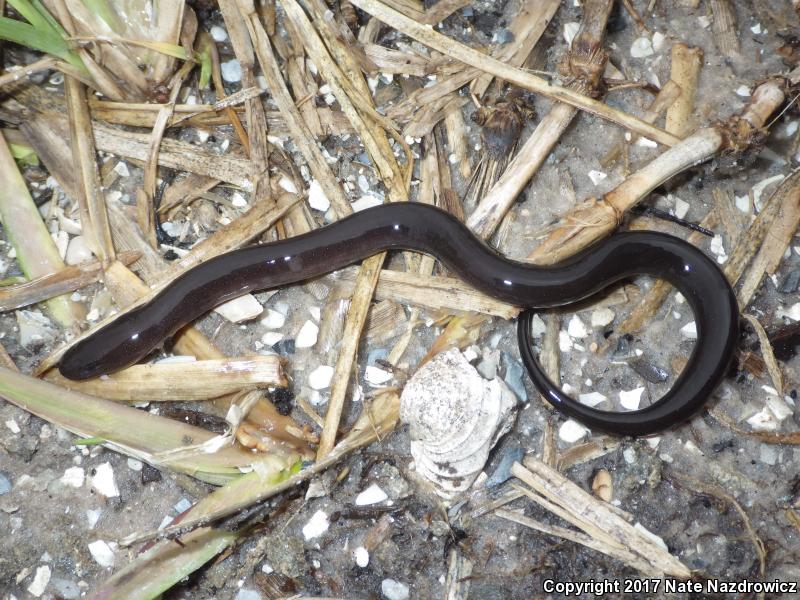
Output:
(64, 281)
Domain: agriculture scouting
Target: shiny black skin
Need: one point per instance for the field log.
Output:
(423, 228)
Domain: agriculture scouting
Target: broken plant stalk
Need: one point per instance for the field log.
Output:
(595, 218)
(585, 64)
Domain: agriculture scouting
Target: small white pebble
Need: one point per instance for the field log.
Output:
(743, 91)
(756, 29)
(12, 425)
(320, 378)
(571, 431)
(361, 555)
(316, 526)
(658, 41)
(102, 553)
(630, 399)
(704, 21)
(629, 454)
(394, 590)
(564, 341)
(372, 495)
(219, 34)
(377, 377)
(764, 420)
(271, 338)
(40, 581)
(288, 185)
(78, 251)
(538, 326)
(103, 481)
(576, 328)
(231, 71)
(73, 477)
(135, 465)
(642, 47)
(122, 169)
(317, 198)
(602, 317)
(238, 200)
(689, 331)
(273, 319)
(307, 336)
(681, 208)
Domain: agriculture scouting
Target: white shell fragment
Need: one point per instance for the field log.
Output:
(572, 431)
(307, 336)
(455, 417)
(317, 198)
(576, 328)
(316, 526)
(243, 308)
(630, 399)
(591, 399)
(103, 481)
(689, 331)
(102, 553)
(372, 495)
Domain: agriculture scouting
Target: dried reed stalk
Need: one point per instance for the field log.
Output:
(526, 27)
(91, 201)
(685, 71)
(724, 27)
(363, 292)
(445, 294)
(301, 134)
(604, 526)
(65, 281)
(513, 75)
(43, 64)
(184, 381)
(778, 237)
(594, 218)
(585, 64)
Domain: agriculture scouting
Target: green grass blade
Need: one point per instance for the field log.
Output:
(28, 35)
(138, 433)
(37, 254)
(32, 15)
(49, 18)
